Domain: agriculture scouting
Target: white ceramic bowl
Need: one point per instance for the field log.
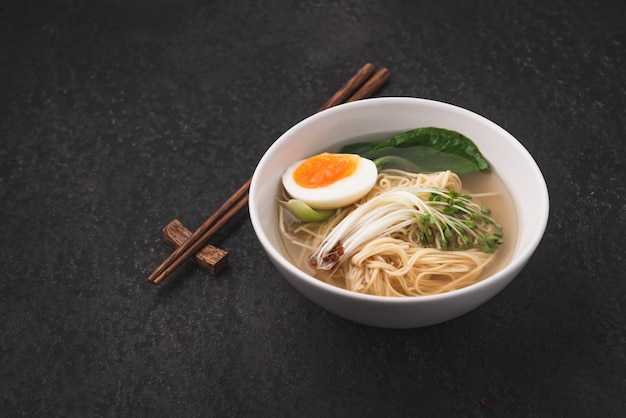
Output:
(330, 129)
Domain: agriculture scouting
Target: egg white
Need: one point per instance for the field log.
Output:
(341, 193)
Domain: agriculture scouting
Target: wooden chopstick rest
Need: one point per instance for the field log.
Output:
(201, 235)
(209, 257)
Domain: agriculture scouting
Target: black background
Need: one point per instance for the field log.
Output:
(118, 116)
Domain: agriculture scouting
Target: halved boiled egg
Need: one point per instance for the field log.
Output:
(329, 181)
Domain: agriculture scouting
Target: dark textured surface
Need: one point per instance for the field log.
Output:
(117, 116)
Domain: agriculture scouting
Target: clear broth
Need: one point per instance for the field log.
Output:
(499, 201)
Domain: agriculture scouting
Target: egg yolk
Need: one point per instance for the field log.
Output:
(325, 169)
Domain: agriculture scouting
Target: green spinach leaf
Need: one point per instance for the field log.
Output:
(429, 149)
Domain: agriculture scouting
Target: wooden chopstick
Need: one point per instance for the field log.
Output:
(194, 242)
(350, 87)
(371, 86)
(200, 241)
(360, 86)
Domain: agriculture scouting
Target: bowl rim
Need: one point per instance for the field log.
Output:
(515, 264)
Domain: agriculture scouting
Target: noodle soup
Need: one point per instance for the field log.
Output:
(511, 164)
(398, 265)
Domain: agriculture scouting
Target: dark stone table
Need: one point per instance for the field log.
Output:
(119, 116)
